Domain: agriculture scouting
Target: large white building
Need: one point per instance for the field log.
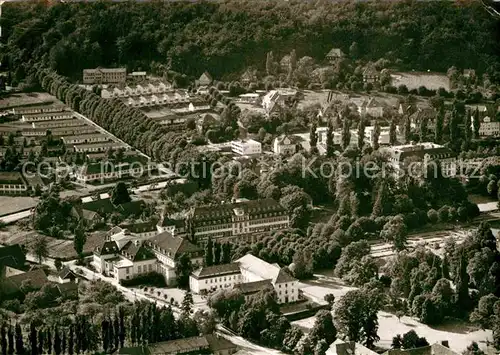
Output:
(255, 270)
(216, 277)
(285, 145)
(124, 255)
(246, 147)
(248, 274)
(488, 127)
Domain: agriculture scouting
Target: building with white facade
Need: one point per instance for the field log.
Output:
(254, 269)
(125, 255)
(487, 127)
(212, 278)
(246, 147)
(425, 153)
(285, 145)
(123, 259)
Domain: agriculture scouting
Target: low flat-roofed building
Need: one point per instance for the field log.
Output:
(212, 278)
(104, 170)
(49, 116)
(73, 122)
(97, 147)
(85, 138)
(13, 183)
(38, 109)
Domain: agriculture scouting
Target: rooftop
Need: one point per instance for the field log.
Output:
(173, 245)
(215, 270)
(248, 288)
(264, 270)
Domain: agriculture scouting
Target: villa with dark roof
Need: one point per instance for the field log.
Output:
(123, 261)
(334, 55)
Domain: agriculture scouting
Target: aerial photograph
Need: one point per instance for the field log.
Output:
(250, 177)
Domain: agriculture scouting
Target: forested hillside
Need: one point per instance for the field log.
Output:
(224, 37)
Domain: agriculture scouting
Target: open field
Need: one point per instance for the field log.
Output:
(413, 80)
(13, 204)
(459, 334)
(35, 98)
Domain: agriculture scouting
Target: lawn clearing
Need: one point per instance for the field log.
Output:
(413, 80)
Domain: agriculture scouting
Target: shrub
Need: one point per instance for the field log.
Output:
(151, 279)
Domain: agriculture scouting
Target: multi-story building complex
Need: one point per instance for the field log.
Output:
(249, 275)
(425, 153)
(125, 255)
(47, 116)
(246, 147)
(244, 219)
(104, 76)
(123, 260)
(212, 278)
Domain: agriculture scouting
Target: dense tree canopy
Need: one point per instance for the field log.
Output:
(227, 36)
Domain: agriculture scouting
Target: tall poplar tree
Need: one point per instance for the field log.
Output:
(392, 132)
(346, 133)
(329, 140)
(439, 124)
(10, 340)
(209, 253)
(361, 134)
(19, 340)
(376, 135)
